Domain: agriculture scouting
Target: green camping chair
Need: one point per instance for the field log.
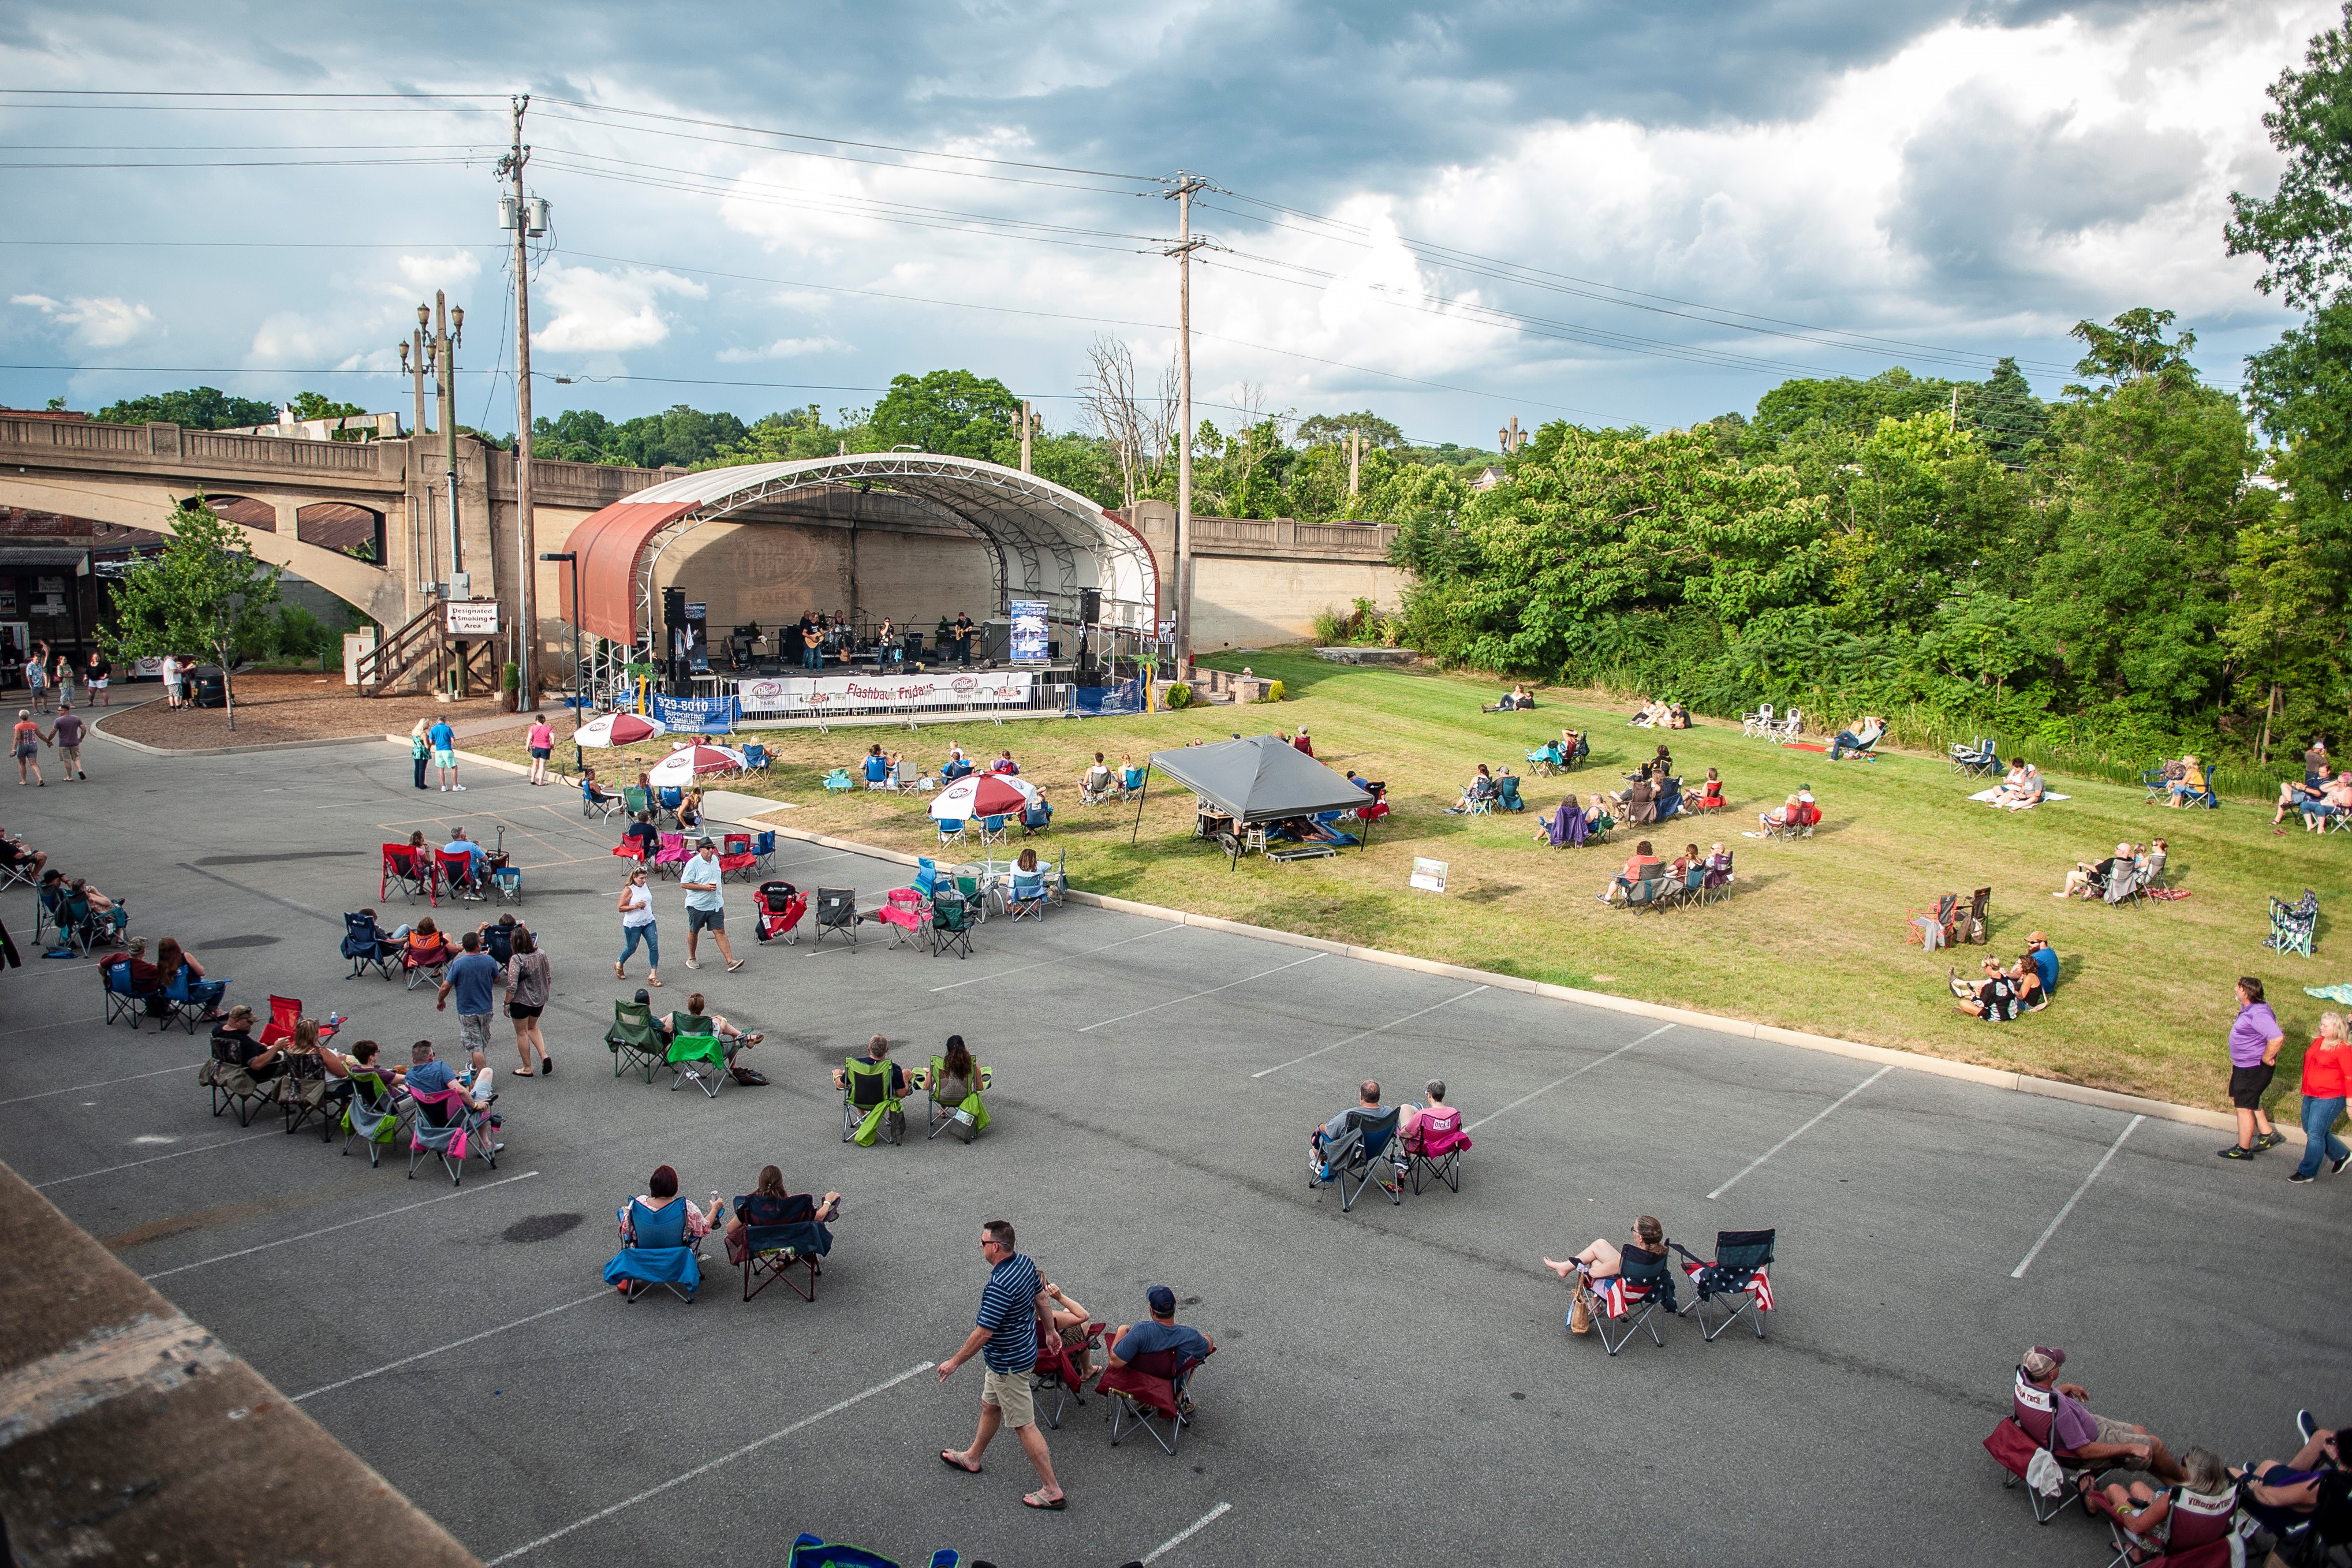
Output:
(636, 799)
(869, 1111)
(633, 1044)
(952, 918)
(695, 1052)
(968, 1116)
(373, 1114)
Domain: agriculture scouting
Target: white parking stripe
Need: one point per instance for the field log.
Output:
(977, 979)
(1212, 991)
(704, 1469)
(174, 1154)
(101, 1083)
(2019, 1272)
(1578, 1073)
(1801, 1132)
(346, 1225)
(453, 1345)
(1351, 1039)
(1185, 1534)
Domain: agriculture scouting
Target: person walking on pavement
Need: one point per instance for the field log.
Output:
(1005, 1337)
(2255, 1041)
(66, 735)
(2326, 1081)
(543, 746)
(706, 904)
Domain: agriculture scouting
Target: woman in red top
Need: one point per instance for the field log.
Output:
(27, 747)
(2326, 1079)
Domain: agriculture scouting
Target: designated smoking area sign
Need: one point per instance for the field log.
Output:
(1428, 875)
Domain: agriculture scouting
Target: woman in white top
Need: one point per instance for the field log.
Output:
(636, 911)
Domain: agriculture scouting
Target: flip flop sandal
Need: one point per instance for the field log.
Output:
(1057, 1505)
(948, 1459)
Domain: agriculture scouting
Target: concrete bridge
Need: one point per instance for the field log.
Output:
(1255, 581)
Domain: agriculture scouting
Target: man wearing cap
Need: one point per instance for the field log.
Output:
(706, 905)
(1163, 1332)
(2096, 1440)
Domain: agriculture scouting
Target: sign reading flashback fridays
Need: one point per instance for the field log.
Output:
(819, 694)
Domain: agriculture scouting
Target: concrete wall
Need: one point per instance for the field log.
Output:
(1242, 603)
(771, 572)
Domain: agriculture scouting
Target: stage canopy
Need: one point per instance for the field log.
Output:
(1259, 779)
(1044, 541)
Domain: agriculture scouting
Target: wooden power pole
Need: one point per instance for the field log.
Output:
(527, 219)
(1182, 251)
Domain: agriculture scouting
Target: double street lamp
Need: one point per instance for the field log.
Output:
(573, 558)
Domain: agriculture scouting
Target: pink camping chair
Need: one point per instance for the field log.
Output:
(447, 1126)
(672, 853)
(1434, 1146)
(903, 911)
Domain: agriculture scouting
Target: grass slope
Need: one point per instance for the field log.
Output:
(1811, 938)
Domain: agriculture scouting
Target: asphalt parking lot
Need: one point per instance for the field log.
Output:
(1394, 1380)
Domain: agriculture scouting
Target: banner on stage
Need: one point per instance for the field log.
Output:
(820, 694)
(695, 715)
(1028, 631)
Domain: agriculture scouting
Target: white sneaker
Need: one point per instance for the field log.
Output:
(445, 789)
(458, 789)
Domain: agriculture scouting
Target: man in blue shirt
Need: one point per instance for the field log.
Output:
(702, 878)
(1163, 1332)
(2045, 961)
(1006, 1339)
(444, 741)
(472, 975)
(474, 853)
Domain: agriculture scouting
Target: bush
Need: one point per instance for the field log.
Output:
(1180, 695)
(1273, 692)
(510, 678)
(1330, 628)
(299, 637)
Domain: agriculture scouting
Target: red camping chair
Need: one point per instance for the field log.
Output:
(2025, 1432)
(405, 869)
(1061, 1368)
(1147, 1387)
(285, 1012)
(456, 873)
(2196, 1537)
(735, 856)
(782, 905)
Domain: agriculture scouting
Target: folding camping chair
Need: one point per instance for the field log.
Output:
(632, 1039)
(695, 1054)
(233, 1087)
(836, 910)
(1434, 1148)
(188, 1005)
(903, 912)
(763, 848)
(1979, 757)
(1151, 1386)
(367, 947)
(1932, 926)
(636, 800)
(951, 830)
(411, 870)
(456, 873)
(655, 1250)
(445, 1126)
(952, 922)
(1758, 723)
(771, 1252)
(121, 1000)
(837, 780)
(779, 907)
(755, 758)
(2124, 885)
(735, 857)
(1546, 760)
(505, 881)
(1645, 892)
(1631, 1297)
(1363, 1153)
(2198, 1535)
(992, 830)
(1507, 794)
(1097, 786)
(1791, 728)
(374, 1114)
(1064, 1368)
(2294, 926)
(1740, 1268)
(308, 1093)
(869, 1111)
(2025, 1432)
(1027, 897)
(968, 1116)
(18, 873)
(432, 963)
(669, 798)
(595, 802)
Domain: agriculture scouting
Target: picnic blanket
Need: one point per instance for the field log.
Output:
(2329, 992)
(1985, 795)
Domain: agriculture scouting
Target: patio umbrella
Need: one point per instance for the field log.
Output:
(682, 767)
(619, 730)
(983, 794)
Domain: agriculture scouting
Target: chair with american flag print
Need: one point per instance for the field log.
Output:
(1632, 1297)
(1739, 1271)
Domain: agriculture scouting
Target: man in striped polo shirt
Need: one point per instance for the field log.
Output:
(1005, 1338)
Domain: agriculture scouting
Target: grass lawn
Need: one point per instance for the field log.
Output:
(1812, 936)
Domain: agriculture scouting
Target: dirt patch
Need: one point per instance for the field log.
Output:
(285, 706)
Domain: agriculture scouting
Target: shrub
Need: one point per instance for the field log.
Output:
(1330, 628)
(1273, 692)
(510, 679)
(1180, 695)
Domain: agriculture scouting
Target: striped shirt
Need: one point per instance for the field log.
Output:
(1008, 1310)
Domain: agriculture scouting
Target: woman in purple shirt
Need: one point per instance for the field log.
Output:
(2255, 1041)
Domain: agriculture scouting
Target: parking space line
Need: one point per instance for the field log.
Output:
(1801, 1132)
(703, 1469)
(57, 1024)
(1578, 1073)
(1185, 1534)
(174, 1154)
(2019, 1272)
(1212, 991)
(257, 893)
(102, 1083)
(1351, 1039)
(346, 1225)
(1042, 963)
(453, 1345)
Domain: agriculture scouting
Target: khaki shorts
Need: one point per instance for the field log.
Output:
(2114, 1431)
(69, 754)
(1010, 1392)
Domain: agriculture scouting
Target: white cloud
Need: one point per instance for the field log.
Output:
(616, 312)
(105, 323)
(421, 274)
(784, 348)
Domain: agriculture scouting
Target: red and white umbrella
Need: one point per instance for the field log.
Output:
(682, 766)
(619, 730)
(983, 794)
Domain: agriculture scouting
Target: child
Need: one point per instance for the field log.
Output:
(1711, 798)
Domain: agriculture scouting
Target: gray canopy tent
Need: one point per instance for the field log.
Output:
(1255, 779)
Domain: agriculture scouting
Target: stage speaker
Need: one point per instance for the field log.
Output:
(673, 607)
(914, 644)
(996, 642)
(1089, 606)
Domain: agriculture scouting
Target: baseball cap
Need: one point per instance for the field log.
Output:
(1162, 1299)
(2041, 1361)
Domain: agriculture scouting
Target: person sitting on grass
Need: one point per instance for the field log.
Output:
(1517, 697)
(1677, 716)
(1636, 870)
(2045, 961)
(1599, 1261)
(2190, 784)
(2089, 881)
(1991, 998)
(1642, 718)
(2025, 979)
(2022, 789)
(1480, 787)
(1864, 736)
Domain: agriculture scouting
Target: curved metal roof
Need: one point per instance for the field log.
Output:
(1046, 541)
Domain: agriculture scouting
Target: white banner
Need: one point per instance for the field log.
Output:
(821, 694)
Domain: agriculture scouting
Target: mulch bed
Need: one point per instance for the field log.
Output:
(277, 706)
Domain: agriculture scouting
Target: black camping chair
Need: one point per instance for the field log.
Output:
(836, 910)
(1738, 1271)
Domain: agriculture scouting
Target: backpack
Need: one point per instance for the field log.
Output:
(750, 1078)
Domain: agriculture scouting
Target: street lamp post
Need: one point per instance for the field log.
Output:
(572, 557)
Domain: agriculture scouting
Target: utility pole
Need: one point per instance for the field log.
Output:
(448, 329)
(1026, 417)
(1182, 251)
(527, 219)
(1355, 462)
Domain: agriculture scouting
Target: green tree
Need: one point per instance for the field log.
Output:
(2300, 231)
(2131, 346)
(198, 408)
(204, 592)
(2006, 414)
(952, 412)
(1843, 404)
(319, 405)
(1331, 429)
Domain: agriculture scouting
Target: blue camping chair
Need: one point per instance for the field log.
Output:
(121, 1001)
(190, 1000)
(1027, 897)
(366, 946)
(991, 830)
(507, 883)
(1362, 1154)
(951, 831)
(763, 849)
(755, 758)
(592, 804)
(658, 1253)
(1507, 794)
(669, 797)
(808, 1552)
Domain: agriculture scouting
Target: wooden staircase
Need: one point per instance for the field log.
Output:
(422, 657)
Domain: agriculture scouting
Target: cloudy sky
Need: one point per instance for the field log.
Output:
(1606, 211)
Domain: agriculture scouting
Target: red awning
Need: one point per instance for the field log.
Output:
(607, 544)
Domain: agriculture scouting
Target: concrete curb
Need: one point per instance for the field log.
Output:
(232, 751)
(1911, 1061)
